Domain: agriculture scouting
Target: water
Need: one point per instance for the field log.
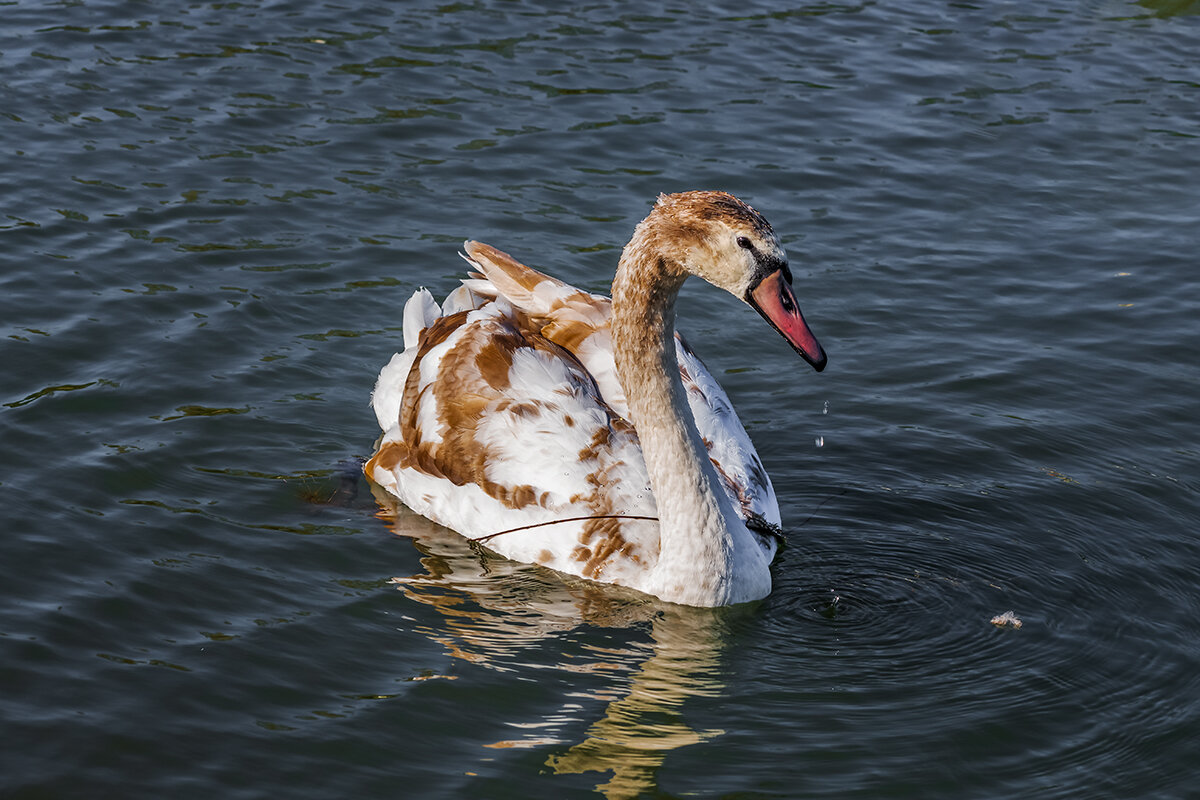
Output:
(214, 212)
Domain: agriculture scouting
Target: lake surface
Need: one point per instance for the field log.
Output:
(214, 212)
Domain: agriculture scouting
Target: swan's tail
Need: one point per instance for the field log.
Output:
(419, 313)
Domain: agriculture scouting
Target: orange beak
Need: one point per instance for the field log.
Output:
(773, 298)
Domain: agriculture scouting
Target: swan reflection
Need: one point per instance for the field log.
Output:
(638, 730)
(500, 614)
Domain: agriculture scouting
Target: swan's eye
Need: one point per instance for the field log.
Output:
(744, 243)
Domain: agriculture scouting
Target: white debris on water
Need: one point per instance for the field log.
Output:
(1006, 620)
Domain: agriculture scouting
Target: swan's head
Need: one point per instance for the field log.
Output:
(721, 239)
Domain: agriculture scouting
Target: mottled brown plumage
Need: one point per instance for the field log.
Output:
(529, 405)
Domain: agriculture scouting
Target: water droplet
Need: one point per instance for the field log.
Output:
(820, 441)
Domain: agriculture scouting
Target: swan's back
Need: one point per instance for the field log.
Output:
(580, 322)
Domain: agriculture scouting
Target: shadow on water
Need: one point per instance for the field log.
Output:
(496, 613)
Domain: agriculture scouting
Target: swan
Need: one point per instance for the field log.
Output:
(562, 428)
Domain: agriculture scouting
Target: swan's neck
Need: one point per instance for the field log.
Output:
(707, 555)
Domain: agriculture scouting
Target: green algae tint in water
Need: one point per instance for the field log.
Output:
(214, 214)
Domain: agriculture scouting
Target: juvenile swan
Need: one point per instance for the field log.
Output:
(562, 428)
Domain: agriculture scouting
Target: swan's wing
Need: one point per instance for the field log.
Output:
(492, 428)
(728, 444)
(579, 321)
(569, 317)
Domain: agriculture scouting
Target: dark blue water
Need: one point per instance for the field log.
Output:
(213, 213)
